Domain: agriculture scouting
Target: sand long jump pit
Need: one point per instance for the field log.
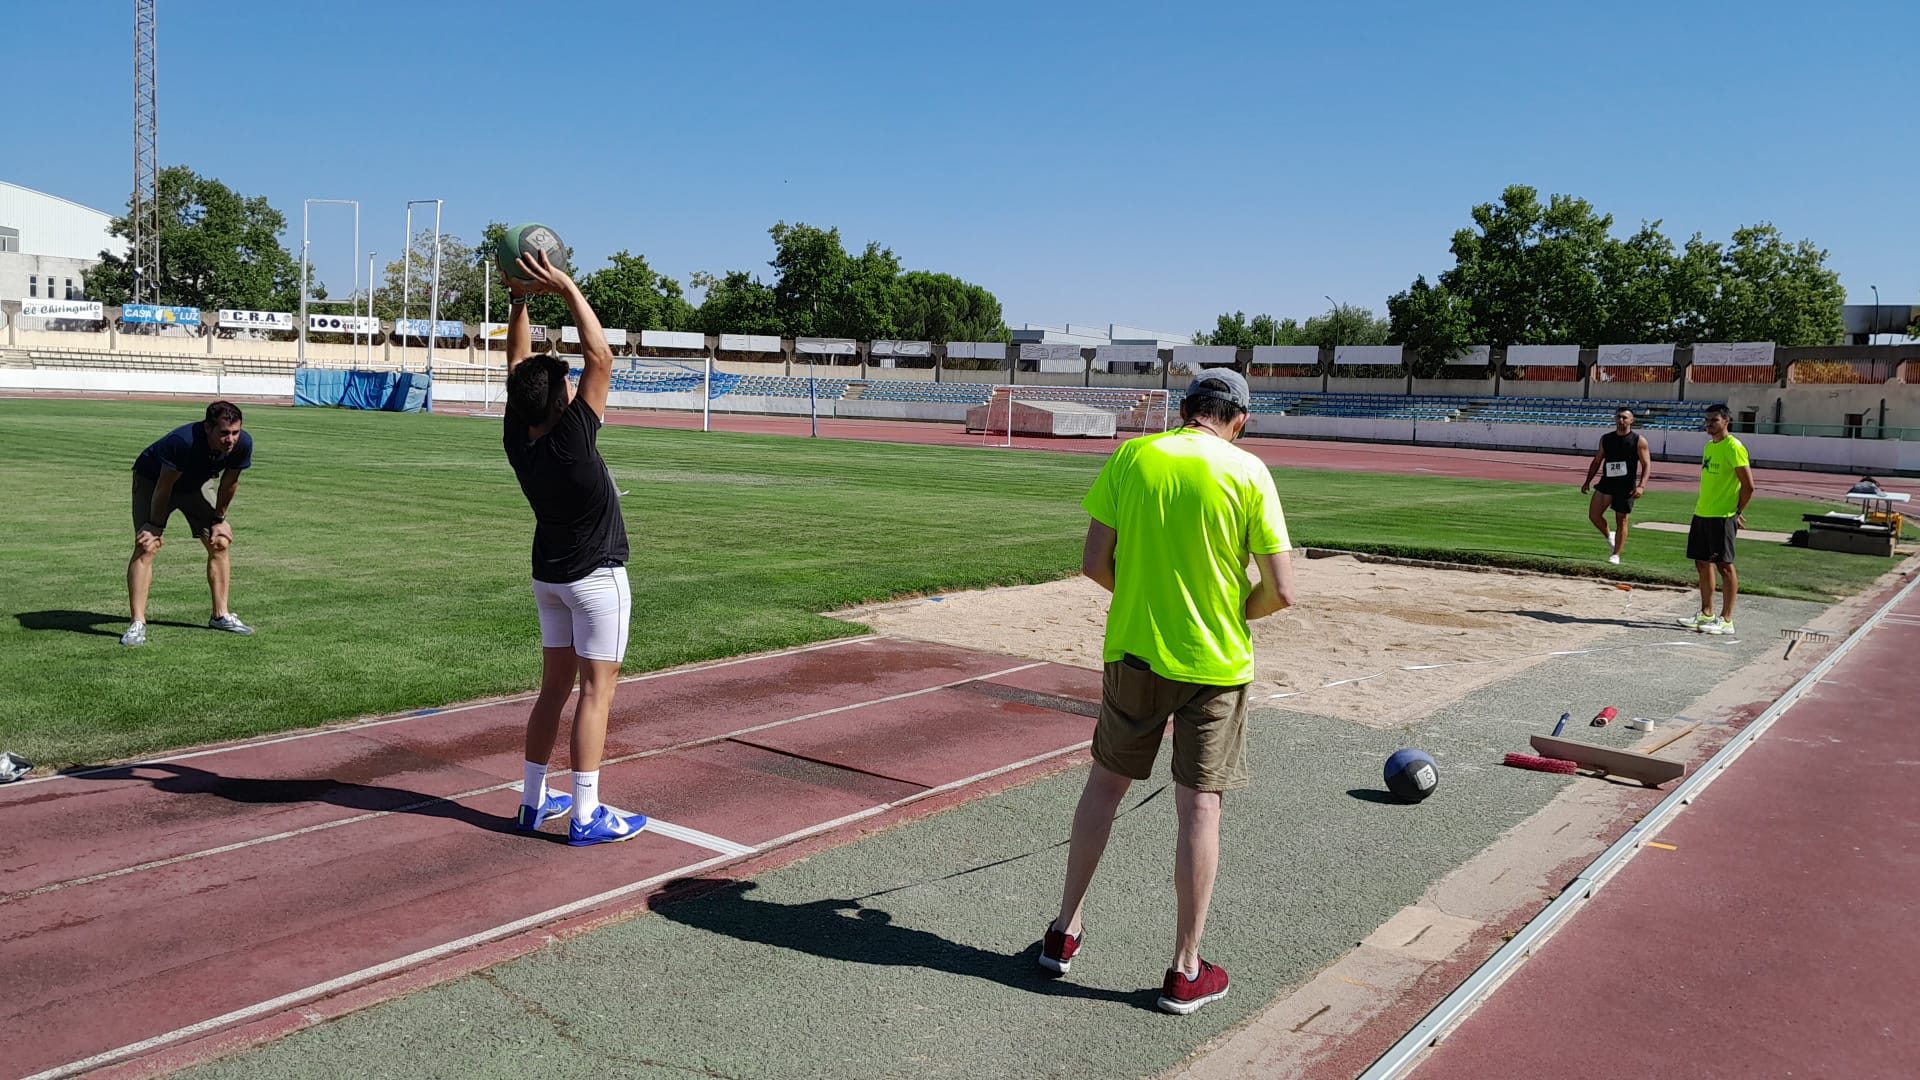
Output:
(1376, 643)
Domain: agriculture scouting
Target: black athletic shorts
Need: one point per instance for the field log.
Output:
(1710, 539)
(1622, 499)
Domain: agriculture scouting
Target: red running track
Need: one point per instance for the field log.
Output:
(146, 906)
(1773, 937)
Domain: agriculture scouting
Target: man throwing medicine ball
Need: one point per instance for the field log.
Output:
(1726, 486)
(551, 436)
(1176, 517)
(178, 473)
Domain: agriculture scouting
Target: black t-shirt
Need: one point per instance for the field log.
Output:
(186, 450)
(575, 505)
(1620, 470)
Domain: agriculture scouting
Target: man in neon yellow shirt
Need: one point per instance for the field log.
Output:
(1176, 517)
(1726, 485)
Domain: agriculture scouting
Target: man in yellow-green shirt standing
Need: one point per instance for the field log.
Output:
(1176, 518)
(1726, 485)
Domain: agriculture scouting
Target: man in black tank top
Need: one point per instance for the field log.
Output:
(1622, 464)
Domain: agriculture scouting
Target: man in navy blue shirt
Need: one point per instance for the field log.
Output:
(195, 469)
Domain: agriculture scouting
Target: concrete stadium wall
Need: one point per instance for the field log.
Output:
(775, 366)
(1817, 403)
(1636, 391)
(977, 377)
(1150, 381)
(56, 339)
(1543, 388)
(146, 382)
(902, 410)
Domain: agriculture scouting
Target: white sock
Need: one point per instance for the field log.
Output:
(534, 790)
(586, 795)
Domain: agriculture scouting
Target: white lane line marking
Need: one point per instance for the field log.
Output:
(343, 729)
(697, 838)
(512, 785)
(343, 982)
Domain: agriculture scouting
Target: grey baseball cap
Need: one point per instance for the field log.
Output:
(1223, 383)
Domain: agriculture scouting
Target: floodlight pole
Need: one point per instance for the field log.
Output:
(370, 325)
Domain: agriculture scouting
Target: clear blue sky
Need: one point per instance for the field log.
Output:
(1151, 164)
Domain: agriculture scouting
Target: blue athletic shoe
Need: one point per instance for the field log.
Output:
(608, 826)
(530, 819)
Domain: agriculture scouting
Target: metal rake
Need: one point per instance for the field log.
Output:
(1795, 637)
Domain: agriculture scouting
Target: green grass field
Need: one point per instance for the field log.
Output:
(383, 558)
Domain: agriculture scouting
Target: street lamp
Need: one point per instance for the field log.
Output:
(1333, 316)
(1874, 326)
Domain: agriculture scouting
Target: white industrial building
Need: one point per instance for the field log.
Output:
(46, 243)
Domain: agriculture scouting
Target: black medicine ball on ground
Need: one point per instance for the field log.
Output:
(1411, 775)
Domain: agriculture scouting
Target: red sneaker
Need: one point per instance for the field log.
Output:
(1057, 950)
(1179, 994)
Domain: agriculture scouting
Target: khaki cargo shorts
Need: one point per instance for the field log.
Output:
(1209, 727)
(195, 502)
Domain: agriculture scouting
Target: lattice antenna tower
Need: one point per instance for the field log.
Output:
(146, 154)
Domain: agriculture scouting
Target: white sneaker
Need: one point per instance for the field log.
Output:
(135, 635)
(1717, 627)
(1614, 559)
(230, 623)
(1697, 621)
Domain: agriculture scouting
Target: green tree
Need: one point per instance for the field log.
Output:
(1345, 324)
(218, 248)
(461, 284)
(1434, 322)
(1636, 282)
(629, 294)
(1530, 274)
(1770, 290)
(942, 308)
(736, 303)
(1235, 330)
(821, 291)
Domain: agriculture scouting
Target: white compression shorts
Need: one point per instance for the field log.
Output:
(588, 616)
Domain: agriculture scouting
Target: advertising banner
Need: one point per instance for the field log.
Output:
(236, 319)
(343, 324)
(422, 328)
(497, 331)
(750, 342)
(158, 313)
(63, 309)
(615, 338)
